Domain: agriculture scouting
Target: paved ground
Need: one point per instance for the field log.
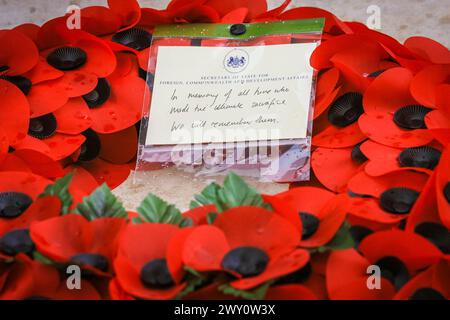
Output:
(401, 19)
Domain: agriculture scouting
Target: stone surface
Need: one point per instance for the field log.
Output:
(401, 19)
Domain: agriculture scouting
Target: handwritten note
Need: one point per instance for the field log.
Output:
(223, 94)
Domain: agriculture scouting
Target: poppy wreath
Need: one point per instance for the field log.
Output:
(70, 105)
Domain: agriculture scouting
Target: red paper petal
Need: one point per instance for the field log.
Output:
(34, 144)
(15, 121)
(428, 49)
(82, 181)
(120, 147)
(24, 182)
(63, 145)
(19, 52)
(424, 84)
(256, 7)
(334, 167)
(235, 16)
(290, 292)
(274, 13)
(363, 184)
(44, 98)
(347, 278)
(253, 226)
(124, 106)
(151, 17)
(413, 250)
(40, 163)
(74, 117)
(370, 211)
(128, 10)
(74, 83)
(332, 23)
(335, 137)
(199, 215)
(326, 91)
(104, 172)
(100, 20)
(30, 30)
(442, 180)
(43, 72)
(380, 127)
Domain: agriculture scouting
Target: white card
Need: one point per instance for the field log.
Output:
(230, 94)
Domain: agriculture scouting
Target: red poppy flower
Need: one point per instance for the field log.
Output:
(387, 199)
(431, 284)
(393, 117)
(384, 159)
(148, 264)
(19, 53)
(428, 49)
(439, 119)
(252, 244)
(26, 279)
(317, 213)
(116, 292)
(72, 239)
(128, 11)
(16, 216)
(400, 255)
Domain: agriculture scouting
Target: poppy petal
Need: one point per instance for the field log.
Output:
(326, 91)
(245, 226)
(205, 248)
(73, 117)
(19, 53)
(43, 72)
(413, 250)
(123, 108)
(380, 127)
(255, 7)
(24, 182)
(428, 49)
(235, 16)
(347, 278)
(100, 20)
(44, 98)
(104, 172)
(283, 265)
(120, 147)
(334, 167)
(442, 186)
(74, 83)
(335, 137)
(368, 209)
(129, 11)
(15, 121)
(30, 30)
(424, 84)
(40, 163)
(290, 292)
(389, 92)
(63, 145)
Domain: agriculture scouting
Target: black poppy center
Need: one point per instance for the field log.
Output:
(398, 200)
(99, 95)
(13, 204)
(156, 275)
(94, 260)
(16, 241)
(375, 73)
(90, 149)
(24, 84)
(394, 270)
(346, 109)
(357, 155)
(359, 233)
(420, 157)
(411, 117)
(67, 58)
(246, 261)
(427, 294)
(436, 233)
(43, 127)
(135, 38)
(4, 68)
(310, 224)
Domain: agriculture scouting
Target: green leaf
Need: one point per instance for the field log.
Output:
(60, 189)
(208, 196)
(101, 204)
(41, 258)
(155, 210)
(258, 293)
(341, 241)
(236, 193)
